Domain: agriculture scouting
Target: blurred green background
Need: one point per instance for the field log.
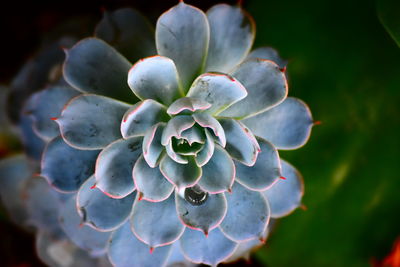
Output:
(345, 65)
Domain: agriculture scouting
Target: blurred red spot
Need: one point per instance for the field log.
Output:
(317, 122)
(93, 186)
(283, 178)
(151, 250)
(283, 69)
(391, 260)
(53, 118)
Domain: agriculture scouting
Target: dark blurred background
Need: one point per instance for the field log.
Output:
(342, 62)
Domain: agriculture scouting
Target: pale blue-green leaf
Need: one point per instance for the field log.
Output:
(93, 66)
(42, 204)
(114, 167)
(232, 33)
(56, 250)
(285, 195)
(125, 250)
(207, 151)
(287, 126)
(182, 34)
(91, 121)
(141, 117)
(245, 248)
(266, 86)
(152, 147)
(156, 223)
(14, 172)
(176, 257)
(218, 89)
(48, 107)
(207, 121)
(175, 156)
(65, 167)
(211, 250)
(240, 142)
(33, 145)
(219, 172)
(264, 173)
(193, 135)
(129, 32)
(187, 104)
(248, 214)
(181, 175)
(155, 78)
(268, 53)
(175, 127)
(100, 211)
(204, 217)
(81, 235)
(151, 185)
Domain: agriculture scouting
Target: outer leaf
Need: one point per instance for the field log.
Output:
(220, 90)
(268, 53)
(42, 204)
(14, 172)
(176, 257)
(264, 173)
(240, 142)
(152, 147)
(156, 223)
(232, 33)
(141, 117)
(248, 214)
(92, 66)
(91, 121)
(155, 78)
(56, 250)
(100, 211)
(150, 183)
(181, 175)
(287, 126)
(114, 167)
(210, 250)
(33, 145)
(285, 195)
(219, 173)
(204, 217)
(129, 32)
(83, 236)
(187, 104)
(48, 106)
(125, 249)
(266, 86)
(182, 34)
(65, 167)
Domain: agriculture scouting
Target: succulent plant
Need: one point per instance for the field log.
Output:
(174, 158)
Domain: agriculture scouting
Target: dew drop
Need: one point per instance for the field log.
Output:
(195, 196)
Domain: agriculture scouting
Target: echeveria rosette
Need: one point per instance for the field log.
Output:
(190, 156)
